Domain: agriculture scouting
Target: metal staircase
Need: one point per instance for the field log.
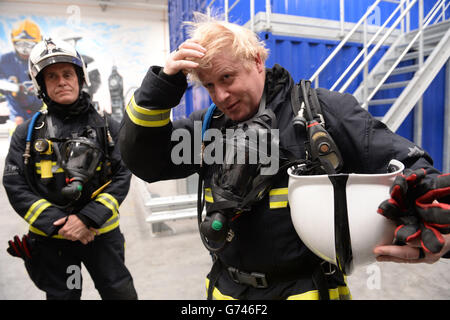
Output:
(436, 50)
(431, 37)
(415, 57)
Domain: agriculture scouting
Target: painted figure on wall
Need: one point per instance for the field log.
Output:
(15, 83)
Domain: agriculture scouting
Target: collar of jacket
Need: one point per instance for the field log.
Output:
(277, 86)
(64, 111)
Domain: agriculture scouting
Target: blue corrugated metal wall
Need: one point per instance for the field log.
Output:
(433, 118)
(303, 56)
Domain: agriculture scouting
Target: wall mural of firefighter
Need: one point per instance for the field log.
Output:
(15, 85)
(114, 55)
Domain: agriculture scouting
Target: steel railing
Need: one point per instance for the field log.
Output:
(404, 21)
(419, 35)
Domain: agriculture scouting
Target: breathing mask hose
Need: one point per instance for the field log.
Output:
(27, 155)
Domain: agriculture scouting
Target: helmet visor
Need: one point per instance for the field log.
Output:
(39, 66)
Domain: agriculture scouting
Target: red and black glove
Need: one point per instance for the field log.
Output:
(20, 248)
(434, 209)
(420, 207)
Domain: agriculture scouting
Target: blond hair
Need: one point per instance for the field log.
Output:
(216, 35)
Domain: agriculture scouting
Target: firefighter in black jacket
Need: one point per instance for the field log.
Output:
(263, 257)
(64, 176)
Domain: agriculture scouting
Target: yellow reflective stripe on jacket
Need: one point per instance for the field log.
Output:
(55, 168)
(110, 224)
(278, 198)
(108, 201)
(111, 203)
(146, 117)
(35, 210)
(41, 233)
(208, 195)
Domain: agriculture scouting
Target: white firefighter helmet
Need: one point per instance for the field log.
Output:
(51, 51)
(336, 215)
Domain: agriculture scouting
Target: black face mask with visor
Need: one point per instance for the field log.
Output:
(79, 156)
(236, 187)
(238, 183)
(80, 159)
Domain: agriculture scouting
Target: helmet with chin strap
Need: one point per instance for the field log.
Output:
(51, 51)
(335, 215)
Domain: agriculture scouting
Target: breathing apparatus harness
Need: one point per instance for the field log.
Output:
(323, 156)
(79, 158)
(234, 188)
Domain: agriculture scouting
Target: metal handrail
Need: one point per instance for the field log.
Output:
(367, 57)
(404, 52)
(315, 76)
(377, 46)
(365, 48)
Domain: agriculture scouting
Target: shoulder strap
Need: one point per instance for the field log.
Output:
(52, 133)
(309, 107)
(320, 145)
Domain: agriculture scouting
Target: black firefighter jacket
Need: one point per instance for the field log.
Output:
(46, 205)
(265, 240)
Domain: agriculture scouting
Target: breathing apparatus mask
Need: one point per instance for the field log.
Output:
(240, 180)
(79, 157)
(79, 160)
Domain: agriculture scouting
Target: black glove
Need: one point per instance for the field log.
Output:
(21, 248)
(420, 207)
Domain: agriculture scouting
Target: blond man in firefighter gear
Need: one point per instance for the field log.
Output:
(63, 175)
(263, 257)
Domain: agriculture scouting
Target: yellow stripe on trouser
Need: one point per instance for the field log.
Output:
(217, 295)
(278, 198)
(146, 117)
(339, 293)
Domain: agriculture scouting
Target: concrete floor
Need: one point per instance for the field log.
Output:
(174, 266)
